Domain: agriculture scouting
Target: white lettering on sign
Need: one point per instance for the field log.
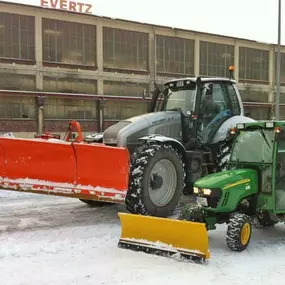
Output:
(67, 5)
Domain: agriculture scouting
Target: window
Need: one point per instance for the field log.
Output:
(253, 64)
(175, 55)
(67, 109)
(70, 43)
(125, 88)
(125, 49)
(249, 95)
(17, 36)
(280, 176)
(120, 110)
(259, 113)
(17, 82)
(70, 85)
(215, 59)
(214, 95)
(282, 67)
(254, 146)
(17, 107)
(233, 99)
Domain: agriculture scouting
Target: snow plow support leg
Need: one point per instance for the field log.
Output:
(164, 236)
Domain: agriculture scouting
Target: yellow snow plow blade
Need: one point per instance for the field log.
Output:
(164, 236)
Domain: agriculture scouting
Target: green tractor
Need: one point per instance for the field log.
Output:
(252, 189)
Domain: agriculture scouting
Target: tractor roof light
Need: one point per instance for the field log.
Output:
(240, 126)
(231, 68)
(269, 125)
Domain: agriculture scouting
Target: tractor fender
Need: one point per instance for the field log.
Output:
(166, 140)
(232, 122)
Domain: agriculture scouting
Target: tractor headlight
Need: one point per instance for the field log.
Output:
(196, 190)
(207, 191)
(240, 126)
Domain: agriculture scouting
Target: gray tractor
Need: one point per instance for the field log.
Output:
(184, 136)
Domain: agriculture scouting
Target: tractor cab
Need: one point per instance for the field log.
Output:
(255, 180)
(261, 146)
(204, 104)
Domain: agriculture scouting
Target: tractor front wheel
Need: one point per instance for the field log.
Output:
(156, 181)
(239, 232)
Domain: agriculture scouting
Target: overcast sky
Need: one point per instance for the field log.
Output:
(251, 19)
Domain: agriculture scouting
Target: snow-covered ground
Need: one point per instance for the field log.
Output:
(58, 241)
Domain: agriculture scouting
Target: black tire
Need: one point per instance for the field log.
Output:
(223, 155)
(93, 203)
(235, 240)
(138, 200)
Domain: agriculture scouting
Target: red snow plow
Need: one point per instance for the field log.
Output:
(76, 169)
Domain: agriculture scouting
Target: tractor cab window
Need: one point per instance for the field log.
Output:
(254, 146)
(213, 102)
(233, 99)
(209, 105)
(280, 173)
(181, 98)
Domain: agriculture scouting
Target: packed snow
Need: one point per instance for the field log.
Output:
(61, 241)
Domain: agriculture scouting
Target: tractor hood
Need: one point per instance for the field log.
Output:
(137, 127)
(226, 179)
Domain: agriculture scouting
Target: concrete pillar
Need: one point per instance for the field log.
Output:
(197, 57)
(100, 115)
(152, 60)
(99, 58)
(100, 86)
(100, 82)
(271, 74)
(99, 49)
(40, 119)
(236, 62)
(39, 52)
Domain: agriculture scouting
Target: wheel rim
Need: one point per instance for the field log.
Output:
(245, 232)
(162, 182)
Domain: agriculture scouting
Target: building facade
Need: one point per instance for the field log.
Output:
(54, 63)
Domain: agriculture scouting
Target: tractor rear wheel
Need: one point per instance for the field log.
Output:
(157, 181)
(239, 232)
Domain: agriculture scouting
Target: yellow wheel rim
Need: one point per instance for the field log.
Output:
(245, 233)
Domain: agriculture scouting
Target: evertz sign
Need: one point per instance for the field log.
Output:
(67, 5)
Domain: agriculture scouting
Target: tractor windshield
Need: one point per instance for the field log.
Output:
(254, 146)
(181, 98)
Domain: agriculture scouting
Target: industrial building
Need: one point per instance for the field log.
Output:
(57, 65)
